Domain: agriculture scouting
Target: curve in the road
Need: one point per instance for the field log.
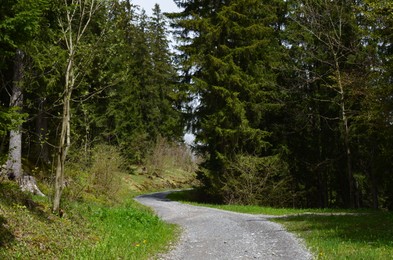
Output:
(218, 234)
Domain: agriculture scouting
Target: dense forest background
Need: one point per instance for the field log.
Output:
(290, 101)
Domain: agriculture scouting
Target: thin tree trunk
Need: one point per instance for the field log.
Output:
(14, 161)
(72, 33)
(65, 138)
(344, 117)
(372, 177)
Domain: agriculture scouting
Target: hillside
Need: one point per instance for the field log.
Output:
(93, 224)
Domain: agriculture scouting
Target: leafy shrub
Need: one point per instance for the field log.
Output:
(170, 155)
(93, 174)
(106, 166)
(252, 180)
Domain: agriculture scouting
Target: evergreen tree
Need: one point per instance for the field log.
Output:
(20, 23)
(231, 50)
(146, 94)
(326, 49)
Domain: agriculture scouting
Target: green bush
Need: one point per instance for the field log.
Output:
(169, 155)
(251, 180)
(105, 169)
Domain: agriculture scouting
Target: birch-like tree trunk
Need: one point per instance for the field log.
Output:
(77, 18)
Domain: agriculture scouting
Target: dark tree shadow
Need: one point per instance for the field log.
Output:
(6, 236)
(375, 229)
(10, 194)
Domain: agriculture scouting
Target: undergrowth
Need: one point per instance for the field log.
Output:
(88, 230)
(100, 219)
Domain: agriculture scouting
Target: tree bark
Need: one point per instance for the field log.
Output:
(14, 161)
(73, 28)
(65, 138)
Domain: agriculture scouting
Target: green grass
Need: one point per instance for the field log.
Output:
(190, 197)
(127, 232)
(358, 234)
(363, 236)
(90, 228)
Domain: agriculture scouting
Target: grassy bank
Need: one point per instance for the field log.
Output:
(100, 219)
(88, 230)
(355, 234)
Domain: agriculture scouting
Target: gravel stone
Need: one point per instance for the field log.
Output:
(217, 234)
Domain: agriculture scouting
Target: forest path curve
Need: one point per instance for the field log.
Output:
(217, 234)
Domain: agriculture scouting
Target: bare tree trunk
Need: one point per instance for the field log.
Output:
(65, 139)
(74, 25)
(344, 117)
(14, 161)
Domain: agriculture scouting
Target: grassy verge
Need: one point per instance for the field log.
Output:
(90, 228)
(328, 235)
(128, 231)
(365, 236)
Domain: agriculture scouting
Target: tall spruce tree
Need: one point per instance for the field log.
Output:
(141, 107)
(230, 54)
(374, 122)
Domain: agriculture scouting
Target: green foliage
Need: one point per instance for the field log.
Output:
(139, 106)
(262, 75)
(232, 56)
(94, 175)
(251, 180)
(10, 119)
(94, 224)
(20, 22)
(31, 231)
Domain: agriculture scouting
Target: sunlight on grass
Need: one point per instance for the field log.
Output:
(356, 234)
(189, 196)
(90, 229)
(129, 233)
(366, 236)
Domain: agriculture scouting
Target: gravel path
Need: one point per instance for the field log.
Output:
(217, 234)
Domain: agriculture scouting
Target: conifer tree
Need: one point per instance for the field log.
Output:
(231, 52)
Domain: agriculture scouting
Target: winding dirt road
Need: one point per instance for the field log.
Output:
(216, 234)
